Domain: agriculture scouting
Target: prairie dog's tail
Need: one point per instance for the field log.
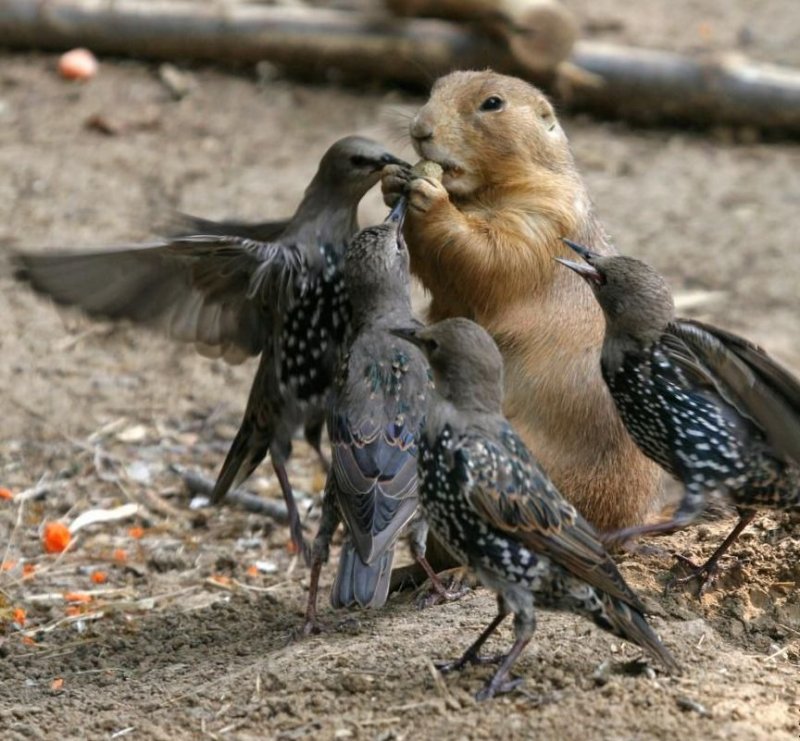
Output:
(358, 583)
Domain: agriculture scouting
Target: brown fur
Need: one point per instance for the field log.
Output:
(483, 243)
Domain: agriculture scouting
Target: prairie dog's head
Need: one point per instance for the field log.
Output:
(486, 129)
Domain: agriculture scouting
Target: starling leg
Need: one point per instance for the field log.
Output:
(417, 540)
(499, 684)
(313, 435)
(707, 573)
(471, 656)
(295, 527)
(320, 551)
(690, 508)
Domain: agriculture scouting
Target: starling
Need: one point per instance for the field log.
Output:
(236, 290)
(490, 502)
(374, 421)
(712, 409)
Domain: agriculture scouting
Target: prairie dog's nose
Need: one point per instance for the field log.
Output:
(421, 127)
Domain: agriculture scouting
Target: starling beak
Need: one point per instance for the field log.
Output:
(274, 289)
(584, 252)
(489, 501)
(398, 212)
(589, 273)
(711, 408)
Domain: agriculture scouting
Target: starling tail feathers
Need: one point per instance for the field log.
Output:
(357, 583)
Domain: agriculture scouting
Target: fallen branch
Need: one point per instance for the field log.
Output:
(196, 483)
(641, 85)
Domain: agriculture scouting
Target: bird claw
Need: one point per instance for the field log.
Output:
(437, 592)
(491, 689)
(706, 575)
(311, 628)
(447, 667)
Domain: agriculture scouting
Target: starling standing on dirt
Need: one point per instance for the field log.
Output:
(275, 289)
(374, 422)
(490, 502)
(711, 408)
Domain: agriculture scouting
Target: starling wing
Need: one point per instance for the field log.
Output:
(186, 225)
(506, 486)
(373, 433)
(221, 293)
(745, 376)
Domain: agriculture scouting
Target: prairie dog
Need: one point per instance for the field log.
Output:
(482, 241)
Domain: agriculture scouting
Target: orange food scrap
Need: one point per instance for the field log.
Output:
(120, 555)
(28, 641)
(56, 537)
(252, 570)
(220, 579)
(73, 611)
(28, 570)
(7, 565)
(5, 493)
(136, 532)
(77, 597)
(78, 64)
(99, 577)
(57, 684)
(19, 617)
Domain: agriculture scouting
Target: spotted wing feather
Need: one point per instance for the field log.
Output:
(747, 378)
(506, 486)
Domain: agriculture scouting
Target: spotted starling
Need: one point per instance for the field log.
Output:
(711, 408)
(490, 502)
(236, 290)
(374, 422)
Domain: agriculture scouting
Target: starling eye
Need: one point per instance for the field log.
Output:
(358, 160)
(493, 103)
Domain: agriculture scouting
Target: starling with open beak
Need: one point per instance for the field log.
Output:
(714, 410)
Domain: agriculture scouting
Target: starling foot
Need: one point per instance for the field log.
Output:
(500, 684)
(707, 573)
(471, 656)
(438, 592)
(468, 659)
(501, 688)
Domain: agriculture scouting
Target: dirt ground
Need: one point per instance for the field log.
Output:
(193, 632)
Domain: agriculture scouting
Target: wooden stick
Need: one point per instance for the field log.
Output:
(641, 85)
(196, 483)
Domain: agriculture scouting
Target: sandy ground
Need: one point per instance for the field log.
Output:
(194, 631)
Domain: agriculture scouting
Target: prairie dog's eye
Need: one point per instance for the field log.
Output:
(493, 103)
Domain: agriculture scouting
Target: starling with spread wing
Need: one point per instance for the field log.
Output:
(235, 290)
(714, 410)
(492, 505)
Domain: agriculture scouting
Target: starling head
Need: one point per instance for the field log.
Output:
(353, 165)
(466, 364)
(376, 267)
(634, 297)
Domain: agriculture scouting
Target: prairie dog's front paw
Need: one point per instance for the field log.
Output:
(425, 194)
(394, 183)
